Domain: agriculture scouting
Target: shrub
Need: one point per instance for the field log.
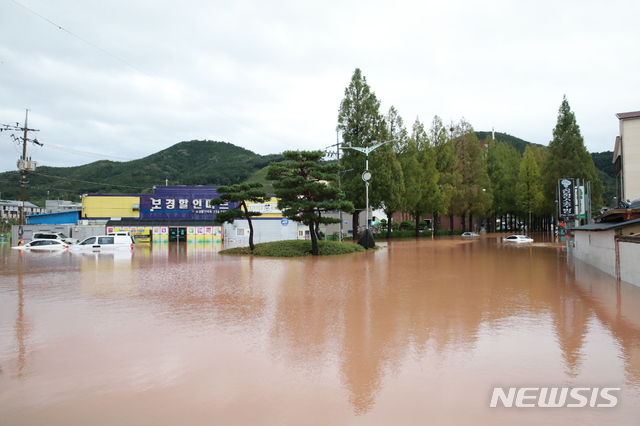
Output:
(406, 225)
(295, 248)
(403, 234)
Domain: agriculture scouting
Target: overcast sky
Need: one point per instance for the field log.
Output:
(123, 79)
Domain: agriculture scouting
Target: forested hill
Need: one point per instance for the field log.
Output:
(186, 163)
(519, 144)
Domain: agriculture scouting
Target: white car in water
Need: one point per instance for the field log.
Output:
(43, 245)
(517, 239)
(102, 243)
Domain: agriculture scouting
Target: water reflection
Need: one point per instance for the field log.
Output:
(382, 337)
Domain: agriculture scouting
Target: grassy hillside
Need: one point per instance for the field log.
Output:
(186, 163)
(519, 144)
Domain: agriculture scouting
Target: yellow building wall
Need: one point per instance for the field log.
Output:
(268, 209)
(113, 206)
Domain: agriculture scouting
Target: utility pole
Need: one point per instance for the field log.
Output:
(337, 154)
(24, 164)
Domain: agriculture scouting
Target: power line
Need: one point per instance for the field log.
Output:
(86, 181)
(163, 82)
(89, 154)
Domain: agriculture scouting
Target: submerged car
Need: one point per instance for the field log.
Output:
(43, 245)
(101, 243)
(470, 234)
(54, 236)
(518, 239)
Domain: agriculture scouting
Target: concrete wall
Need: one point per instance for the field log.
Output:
(629, 265)
(264, 230)
(597, 249)
(70, 230)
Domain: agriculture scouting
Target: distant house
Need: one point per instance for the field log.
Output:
(10, 209)
(626, 157)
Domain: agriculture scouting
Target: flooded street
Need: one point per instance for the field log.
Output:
(417, 333)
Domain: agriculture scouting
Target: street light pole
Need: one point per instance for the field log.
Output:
(366, 176)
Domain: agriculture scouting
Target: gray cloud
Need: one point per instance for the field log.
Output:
(127, 79)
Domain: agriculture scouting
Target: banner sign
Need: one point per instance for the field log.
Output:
(566, 195)
(181, 203)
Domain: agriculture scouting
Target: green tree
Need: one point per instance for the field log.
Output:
(529, 196)
(446, 164)
(503, 167)
(361, 125)
(388, 170)
(475, 186)
(239, 193)
(304, 190)
(567, 157)
(422, 192)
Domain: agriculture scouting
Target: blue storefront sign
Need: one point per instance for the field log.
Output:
(180, 203)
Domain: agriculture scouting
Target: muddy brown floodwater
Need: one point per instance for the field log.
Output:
(417, 333)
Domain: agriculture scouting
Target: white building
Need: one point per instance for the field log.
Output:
(626, 157)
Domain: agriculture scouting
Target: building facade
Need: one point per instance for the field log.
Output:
(10, 209)
(626, 157)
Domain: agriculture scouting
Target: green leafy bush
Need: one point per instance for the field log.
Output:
(295, 248)
(406, 225)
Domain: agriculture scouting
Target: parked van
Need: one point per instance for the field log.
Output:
(109, 242)
(46, 235)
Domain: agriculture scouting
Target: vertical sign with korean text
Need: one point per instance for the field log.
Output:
(566, 197)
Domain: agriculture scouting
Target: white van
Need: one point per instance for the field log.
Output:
(109, 242)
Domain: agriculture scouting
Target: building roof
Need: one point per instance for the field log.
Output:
(17, 203)
(625, 115)
(64, 213)
(607, 226)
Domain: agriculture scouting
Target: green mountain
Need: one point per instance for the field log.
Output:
(186, 163)
(519, 144)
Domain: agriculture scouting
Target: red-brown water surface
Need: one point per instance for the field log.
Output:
(417, 333)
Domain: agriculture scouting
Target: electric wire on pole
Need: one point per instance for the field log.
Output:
(25, 164)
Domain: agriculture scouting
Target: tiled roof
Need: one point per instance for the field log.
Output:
(624, 115)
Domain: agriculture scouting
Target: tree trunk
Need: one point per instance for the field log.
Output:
(450, 224)
(317, 227)
(463, 218)
(314, 238)
(248, 217)
(355, 222)
(389, 219)
(417, 216)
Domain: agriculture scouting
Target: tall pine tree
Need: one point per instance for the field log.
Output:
(361, 125)
(567, 157)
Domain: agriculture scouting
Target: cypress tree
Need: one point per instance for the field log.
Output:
(567, 157)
